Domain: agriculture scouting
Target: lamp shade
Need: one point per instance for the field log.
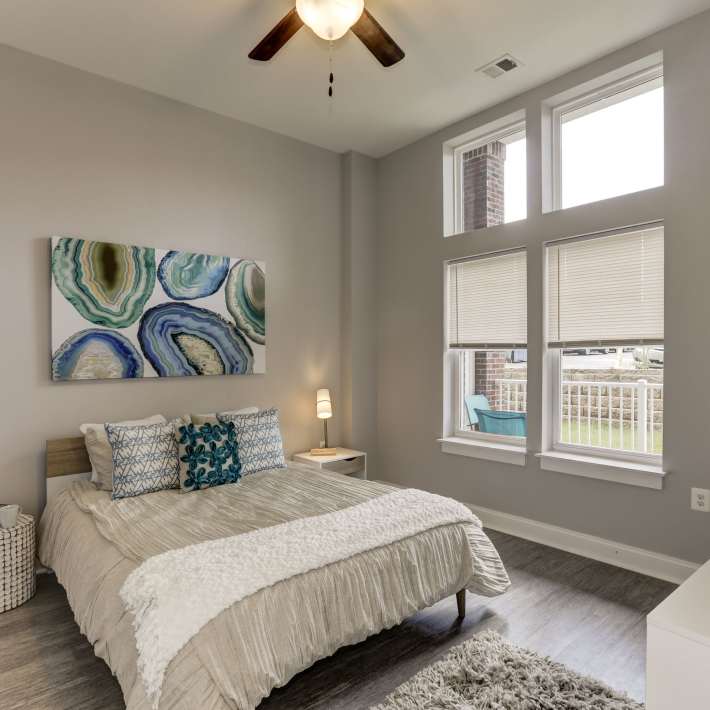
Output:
(330, 19)
(324, 408)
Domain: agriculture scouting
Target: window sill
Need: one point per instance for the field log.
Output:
(489, 450)
(617, 471)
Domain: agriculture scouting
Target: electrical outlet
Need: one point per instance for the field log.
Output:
(700, 499)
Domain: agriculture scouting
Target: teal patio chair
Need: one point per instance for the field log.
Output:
(473, 403)
(507, 423)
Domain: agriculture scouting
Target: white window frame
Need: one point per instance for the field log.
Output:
(453, 164)
(552, 374)
(453, 363)
(608, 94)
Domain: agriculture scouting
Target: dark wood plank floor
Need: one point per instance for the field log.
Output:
(586, 614)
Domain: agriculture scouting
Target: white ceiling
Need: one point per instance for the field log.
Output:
(196, 51)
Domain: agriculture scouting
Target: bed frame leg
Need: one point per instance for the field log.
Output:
(461, 603)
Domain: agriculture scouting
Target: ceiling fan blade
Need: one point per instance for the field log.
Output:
(277, 38)
(371, 33)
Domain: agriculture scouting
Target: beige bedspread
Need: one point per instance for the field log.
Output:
(261, 642)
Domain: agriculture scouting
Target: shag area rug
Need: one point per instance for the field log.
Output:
(488, 673)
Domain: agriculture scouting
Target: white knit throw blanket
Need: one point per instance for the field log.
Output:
(174, 594)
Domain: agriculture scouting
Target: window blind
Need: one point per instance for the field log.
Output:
(606, 290)
(487, 298)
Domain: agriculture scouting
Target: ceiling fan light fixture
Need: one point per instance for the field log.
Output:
(330, 19)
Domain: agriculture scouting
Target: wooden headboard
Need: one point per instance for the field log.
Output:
(66, 457)
(67, 461)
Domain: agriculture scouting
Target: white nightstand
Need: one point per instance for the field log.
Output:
(345, 461)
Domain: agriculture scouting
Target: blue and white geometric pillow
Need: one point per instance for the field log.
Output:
(259, 439)
(208, 455)
(144, 458)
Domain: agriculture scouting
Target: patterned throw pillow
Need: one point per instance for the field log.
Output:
(144, 459)
(208, 456)
(99, 449)
(259, 439)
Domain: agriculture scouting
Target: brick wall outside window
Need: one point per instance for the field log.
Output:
(486, 368)
(484, 186)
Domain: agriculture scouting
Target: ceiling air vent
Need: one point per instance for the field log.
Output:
(500, 66)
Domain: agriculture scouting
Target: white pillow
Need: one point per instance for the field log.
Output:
(200, 419)
(99, 449)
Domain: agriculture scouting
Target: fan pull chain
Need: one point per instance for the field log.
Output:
(332, 77)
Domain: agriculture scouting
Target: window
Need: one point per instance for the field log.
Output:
(605, 342)
(487, 346)
(609, 142)
(489, 176)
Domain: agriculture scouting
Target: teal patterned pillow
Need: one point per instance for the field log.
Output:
(208, 455)
(259, 437)
(144, 458)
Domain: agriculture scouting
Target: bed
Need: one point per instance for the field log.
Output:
(261, 641)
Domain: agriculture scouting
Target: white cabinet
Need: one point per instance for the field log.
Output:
(678, 648)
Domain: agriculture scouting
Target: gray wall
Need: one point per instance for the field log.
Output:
(410, 297)
(89, 157)
(359, 307)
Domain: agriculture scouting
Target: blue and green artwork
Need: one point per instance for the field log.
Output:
(186, 277)
(246, 299)
(121, 311)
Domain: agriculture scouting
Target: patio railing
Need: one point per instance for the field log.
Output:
(512, 395)
(619, 415)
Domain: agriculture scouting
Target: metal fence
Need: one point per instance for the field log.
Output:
(618, 415)
(512, 395)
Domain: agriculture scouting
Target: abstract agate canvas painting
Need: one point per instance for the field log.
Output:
(121, 311)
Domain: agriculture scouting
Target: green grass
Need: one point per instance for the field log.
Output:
(571, 435)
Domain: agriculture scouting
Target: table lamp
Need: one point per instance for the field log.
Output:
(324, 411)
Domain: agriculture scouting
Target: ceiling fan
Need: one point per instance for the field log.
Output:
(331, 20)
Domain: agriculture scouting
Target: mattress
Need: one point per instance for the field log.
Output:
(93, 543)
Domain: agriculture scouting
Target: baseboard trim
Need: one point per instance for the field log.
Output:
(636, 559)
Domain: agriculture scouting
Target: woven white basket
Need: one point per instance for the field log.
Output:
(17, 563)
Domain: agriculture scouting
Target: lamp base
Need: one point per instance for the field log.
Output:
(323, 452)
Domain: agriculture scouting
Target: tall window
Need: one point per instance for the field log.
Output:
(487, 341)
(490, 180)
(605, 336)
(609, 142)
